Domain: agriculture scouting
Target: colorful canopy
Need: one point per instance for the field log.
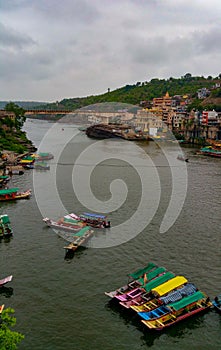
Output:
(152, 274)
(158, 281)
(8, 191)
(136, 274)
(98, 216)
(178, 294)
(187, 300)
(169, 285)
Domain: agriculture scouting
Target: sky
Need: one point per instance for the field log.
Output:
(53, 49)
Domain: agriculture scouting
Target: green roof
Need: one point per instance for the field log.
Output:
(71, 221)
(135, 275)
(153, 274)
(187, 300)
(158, 281)
(81, 232)
(44, 154)
(8, 191)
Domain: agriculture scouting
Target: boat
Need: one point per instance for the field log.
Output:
(211, 151)
(79, 238)
(181, 157)
(13, 194)
(27, 162)
(5, 280)
(217, 303)
(145, 290)
(147, 293)
(94, 220)
(185, 308)
(41, 165)
(133, 283)
(5, 226)
(65, 224)
(44, 156)
(145, 310)
(4, 180)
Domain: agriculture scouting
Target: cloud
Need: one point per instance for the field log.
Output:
(13, 39)
(79, 47)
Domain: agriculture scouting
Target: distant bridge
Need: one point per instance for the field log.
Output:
(46, 111)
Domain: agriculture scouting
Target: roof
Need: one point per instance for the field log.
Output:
(158, 281)
(187, 300)
(94, 215)
(153, 274)
(9, 191)
(82, 232)
(136, 274)
(179, 293)
(169, 285)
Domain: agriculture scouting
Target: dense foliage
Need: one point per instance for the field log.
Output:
(19, 114)
(8, 338)
(12, 138)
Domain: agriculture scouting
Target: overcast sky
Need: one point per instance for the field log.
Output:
(53, 49)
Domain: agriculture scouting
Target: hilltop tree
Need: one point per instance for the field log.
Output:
(19, 114)
(8, 338)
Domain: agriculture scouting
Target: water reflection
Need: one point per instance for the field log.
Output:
(70, 254)
(6, 291)
(180, 330)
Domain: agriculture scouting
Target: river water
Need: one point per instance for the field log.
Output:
(59, 300)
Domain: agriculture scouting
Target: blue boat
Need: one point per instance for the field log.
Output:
(217, 303)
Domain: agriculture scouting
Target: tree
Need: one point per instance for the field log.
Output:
(8, 338)
(19, 114)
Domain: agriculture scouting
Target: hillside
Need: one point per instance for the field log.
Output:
(133, 94)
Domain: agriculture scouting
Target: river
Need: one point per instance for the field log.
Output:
(59, 301)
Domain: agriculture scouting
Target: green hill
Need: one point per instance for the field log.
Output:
(142, 91)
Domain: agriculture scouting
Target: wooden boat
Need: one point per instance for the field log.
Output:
(185, 308)
(170, 283)
(94, 220)
(13, 194)
(134, 282)
(172, 296)
(44, 156)
(3, 180)
(79, 238)
(164, 303)
(5, 280)
(41, 166)
(64, 224)
(147, 287)
(217, 303)
(211, 151)
(5, 226)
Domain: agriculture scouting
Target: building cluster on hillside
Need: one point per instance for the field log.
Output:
(170, 113)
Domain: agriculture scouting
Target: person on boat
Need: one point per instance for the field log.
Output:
(217, 300)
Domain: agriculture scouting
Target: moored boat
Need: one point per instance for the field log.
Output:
(5, 226)
(41, 166)
(64, 224)
(13, 194)
(185, 308)
(79, 238)
(217, 303)
(5, 280)
(134, 280)
(211, 151)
